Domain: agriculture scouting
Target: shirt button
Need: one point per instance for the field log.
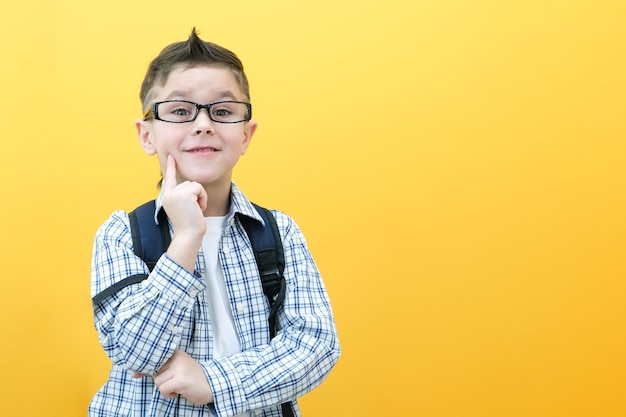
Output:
(177, 330)
(226, 249)
(241, 308)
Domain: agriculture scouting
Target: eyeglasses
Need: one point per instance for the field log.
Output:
(183, 111)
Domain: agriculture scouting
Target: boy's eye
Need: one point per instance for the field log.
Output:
(181, 111)
(176, 111)
(222, 112)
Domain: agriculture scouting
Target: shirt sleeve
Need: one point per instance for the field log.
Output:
(141, 325)
(302, 353)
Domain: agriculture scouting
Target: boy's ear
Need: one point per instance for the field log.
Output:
(144, 134)
(248, 132)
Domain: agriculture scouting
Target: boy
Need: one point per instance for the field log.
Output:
(193, 339)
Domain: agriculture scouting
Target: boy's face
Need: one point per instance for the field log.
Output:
(205, 151)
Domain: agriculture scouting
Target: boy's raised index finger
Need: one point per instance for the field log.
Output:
(170, 174)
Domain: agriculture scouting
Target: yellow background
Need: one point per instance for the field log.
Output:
(458, 168)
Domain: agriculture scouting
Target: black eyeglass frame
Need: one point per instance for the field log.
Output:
(153, 111)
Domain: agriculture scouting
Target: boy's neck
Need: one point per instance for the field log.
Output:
(218, 200)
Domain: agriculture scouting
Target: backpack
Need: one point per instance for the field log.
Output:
(150, 241)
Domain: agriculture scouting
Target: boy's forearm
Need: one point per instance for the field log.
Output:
(184, 251)
(293, 364)
(144, 331)
(301, 355)
(142, 324)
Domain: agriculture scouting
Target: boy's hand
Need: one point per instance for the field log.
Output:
(181, 374)
(184, 204)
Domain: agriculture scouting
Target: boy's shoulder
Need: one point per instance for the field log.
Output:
(116, 224)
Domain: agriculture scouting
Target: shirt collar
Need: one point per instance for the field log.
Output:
(239, 203)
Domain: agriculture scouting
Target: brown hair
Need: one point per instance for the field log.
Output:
(193, 51)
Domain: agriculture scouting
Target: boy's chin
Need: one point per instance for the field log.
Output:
(212, 181)
(208, 178)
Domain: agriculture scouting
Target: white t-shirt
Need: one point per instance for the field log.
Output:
(225, 339)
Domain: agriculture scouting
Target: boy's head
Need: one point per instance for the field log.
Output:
(193, 51)
(185, 79)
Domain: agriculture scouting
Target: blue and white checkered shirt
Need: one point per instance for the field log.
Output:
(140, 326)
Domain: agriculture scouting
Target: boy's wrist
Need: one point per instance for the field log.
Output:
(184, 250)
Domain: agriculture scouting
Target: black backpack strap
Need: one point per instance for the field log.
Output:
(133, 279)
(270, 258)
(268, 251)
(287, 410)
(150, 241)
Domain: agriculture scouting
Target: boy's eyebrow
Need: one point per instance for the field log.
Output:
(177, 93)
(225, 94)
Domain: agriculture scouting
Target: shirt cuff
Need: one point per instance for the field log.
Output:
(228, 394)
(175, 282)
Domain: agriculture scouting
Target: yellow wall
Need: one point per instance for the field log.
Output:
(458, 168)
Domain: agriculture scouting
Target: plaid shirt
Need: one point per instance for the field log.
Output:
(140, 326)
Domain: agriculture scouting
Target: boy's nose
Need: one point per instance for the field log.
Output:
(203, 121)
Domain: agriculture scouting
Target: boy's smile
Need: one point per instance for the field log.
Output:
(201, 149)
(205, 151)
